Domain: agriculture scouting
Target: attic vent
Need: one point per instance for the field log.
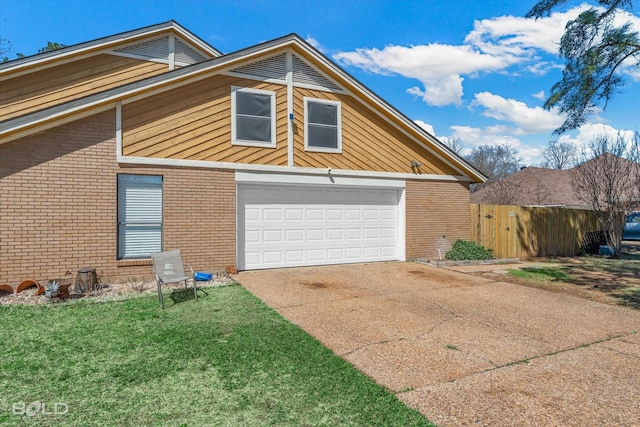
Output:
(186, 54)
(273, 67)
(305, 73)
(156, 48)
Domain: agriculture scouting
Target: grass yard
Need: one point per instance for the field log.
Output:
(612, 281)
(223, 360)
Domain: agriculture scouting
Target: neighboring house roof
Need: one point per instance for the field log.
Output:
(531, 186)
(40, 120)
(42, 60)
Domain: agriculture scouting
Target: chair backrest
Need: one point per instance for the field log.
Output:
(168, 265)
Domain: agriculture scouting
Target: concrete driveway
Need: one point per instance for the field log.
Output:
(465, 350)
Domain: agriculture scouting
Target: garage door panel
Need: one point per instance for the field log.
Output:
(294, 214)
(315, 234)
(272, 214)
(252, 214)
(354, 233)
(294, 256)
(252, 236)
(371, 252)
(315, 255)
(334, 214)
(335, 254)
(335, 234)
(297, 225)
(353, 214)
(273, 236)
(294, 236)
(354, 253)
(314, 214)
(272, 257)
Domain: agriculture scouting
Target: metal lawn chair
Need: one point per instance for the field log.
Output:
(169, 268)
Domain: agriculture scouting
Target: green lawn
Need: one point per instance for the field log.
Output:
(223, 360)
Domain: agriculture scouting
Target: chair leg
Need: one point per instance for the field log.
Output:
(160, 296)
(195, 290)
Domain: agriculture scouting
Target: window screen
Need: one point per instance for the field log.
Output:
(253, 120)
(323, 125)
(139, 215)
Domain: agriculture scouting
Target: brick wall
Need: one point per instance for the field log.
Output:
(437, 216)
(58, 206)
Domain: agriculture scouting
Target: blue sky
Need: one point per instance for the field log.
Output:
(475, 70)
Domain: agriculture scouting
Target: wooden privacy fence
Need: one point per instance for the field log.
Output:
(522, 232)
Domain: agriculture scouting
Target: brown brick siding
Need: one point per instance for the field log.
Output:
(437, 216)
(58, 206)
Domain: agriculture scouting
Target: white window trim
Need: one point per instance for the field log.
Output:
(306, 124)
(249, 143)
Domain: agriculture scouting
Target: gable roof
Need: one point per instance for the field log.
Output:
(43, 119)
(45, 59)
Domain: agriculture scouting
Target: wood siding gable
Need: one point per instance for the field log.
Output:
(46, 83)
(193, 122)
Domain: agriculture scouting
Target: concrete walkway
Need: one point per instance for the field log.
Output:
(465, 350)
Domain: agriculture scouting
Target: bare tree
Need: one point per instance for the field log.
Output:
(495, 162)
(540, 193)
(453, 144)
(504, 192)
(608, 178)
(559, 155)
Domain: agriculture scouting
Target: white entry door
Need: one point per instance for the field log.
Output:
(303, 225)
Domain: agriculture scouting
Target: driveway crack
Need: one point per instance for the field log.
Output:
(553, 353)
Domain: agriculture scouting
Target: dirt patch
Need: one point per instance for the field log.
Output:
(609, 281)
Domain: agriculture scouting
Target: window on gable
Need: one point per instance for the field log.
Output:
(322, 126)
(139, 215)
(253, 117)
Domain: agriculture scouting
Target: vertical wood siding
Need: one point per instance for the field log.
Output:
(46, 88)
(522, 232)
(368, 142)
(194, 122)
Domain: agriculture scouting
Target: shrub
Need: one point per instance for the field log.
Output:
(464, 250)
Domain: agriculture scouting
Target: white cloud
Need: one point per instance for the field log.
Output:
(493, 45)
(539, 95)
(426, 126)
(496, 135)
(438, 67)
(315, 43)
(527, 119)
(589, 131)
(512, 35)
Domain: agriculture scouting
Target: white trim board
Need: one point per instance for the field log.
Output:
(153, 161)
(325, 179)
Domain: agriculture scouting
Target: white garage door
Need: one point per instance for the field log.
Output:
(288, 226)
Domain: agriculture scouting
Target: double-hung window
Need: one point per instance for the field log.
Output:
(139, 215)
(322, 125)
(253, 117)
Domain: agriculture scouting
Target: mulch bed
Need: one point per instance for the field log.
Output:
(107, 291)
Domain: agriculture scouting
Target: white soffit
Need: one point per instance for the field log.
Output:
(158, 49)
